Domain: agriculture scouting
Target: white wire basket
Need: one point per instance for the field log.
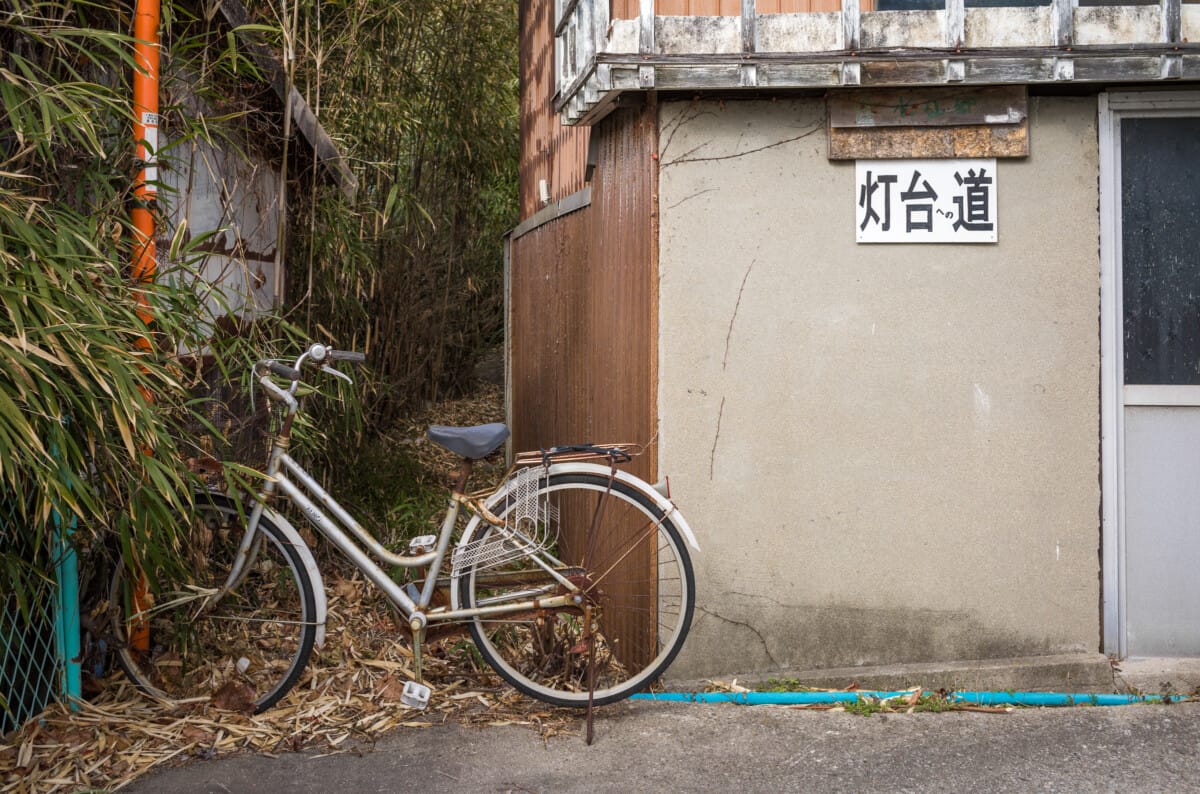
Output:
(530, 526)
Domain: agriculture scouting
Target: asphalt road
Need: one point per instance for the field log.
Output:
(658, 747)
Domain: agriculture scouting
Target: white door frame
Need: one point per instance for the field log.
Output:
(1114, 395)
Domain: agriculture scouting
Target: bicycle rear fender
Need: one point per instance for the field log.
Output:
(310, 565)
(664, 504)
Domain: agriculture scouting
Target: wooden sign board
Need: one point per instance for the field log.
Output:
(928, 107)
(892, 143)
(926, 201)
(929, 123)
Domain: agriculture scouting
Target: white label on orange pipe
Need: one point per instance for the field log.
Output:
(150, 149)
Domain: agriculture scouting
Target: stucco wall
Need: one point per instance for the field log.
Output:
(889, 453)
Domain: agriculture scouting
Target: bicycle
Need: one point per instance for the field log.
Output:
(573, 576)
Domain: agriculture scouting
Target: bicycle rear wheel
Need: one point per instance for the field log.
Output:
(637, 588)
(245, 650)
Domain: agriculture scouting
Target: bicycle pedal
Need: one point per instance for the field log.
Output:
(415, 695)
(422, 544)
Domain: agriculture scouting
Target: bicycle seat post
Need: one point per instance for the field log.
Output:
(464, 473)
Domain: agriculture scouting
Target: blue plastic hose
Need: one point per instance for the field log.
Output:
(974, 698)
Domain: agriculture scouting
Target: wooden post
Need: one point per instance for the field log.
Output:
(646, 41)
(1172, 24)
(1062, 22)
(955, 16)
(1171, 64)
(749, 76)
(585, 36)
(601, 20)
(851, 21)
(645, 26)
(749, 26)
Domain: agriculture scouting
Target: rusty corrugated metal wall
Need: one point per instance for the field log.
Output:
(583, 311)
(583, 333)
(549, 150)
(583, 317)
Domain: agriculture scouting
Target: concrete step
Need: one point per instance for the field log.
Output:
(1084, 672)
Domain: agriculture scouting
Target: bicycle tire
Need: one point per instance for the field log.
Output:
(637, 578)
(265, 625)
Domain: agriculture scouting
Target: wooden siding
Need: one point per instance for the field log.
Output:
(549, 150)
(583, 311)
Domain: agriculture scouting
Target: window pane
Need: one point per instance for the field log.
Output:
(1160, 239)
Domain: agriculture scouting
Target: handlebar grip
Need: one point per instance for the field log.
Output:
(283, 370)
(347, 355)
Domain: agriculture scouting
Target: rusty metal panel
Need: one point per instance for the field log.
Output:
(549, 150)
(583, 320)
(584, 306)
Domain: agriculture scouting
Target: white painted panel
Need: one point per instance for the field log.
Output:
(698, 35)
(1118, 24)
(233, 199)
(926, 201)
(1162, 531)
(623, 36)
(1190, 21)
(903, 29)
(811, 32)
(1008, 27)
(1162, 395)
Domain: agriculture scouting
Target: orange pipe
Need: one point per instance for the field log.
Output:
(146, 21)
(145, 133)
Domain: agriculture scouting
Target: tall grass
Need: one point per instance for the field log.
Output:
(422, 96)
(422, 99)
(76, 422)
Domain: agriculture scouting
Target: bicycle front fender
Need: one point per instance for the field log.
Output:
(310, 565)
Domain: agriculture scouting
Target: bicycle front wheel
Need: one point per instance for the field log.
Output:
(636, 593)
(177, 641)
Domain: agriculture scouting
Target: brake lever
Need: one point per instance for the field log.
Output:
(337, 373)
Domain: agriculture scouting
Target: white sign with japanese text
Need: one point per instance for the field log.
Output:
(925, 201)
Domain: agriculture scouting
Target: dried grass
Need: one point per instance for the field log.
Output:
(348, 698)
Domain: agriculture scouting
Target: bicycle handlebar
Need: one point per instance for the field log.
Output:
(283, 370)
(318, 354)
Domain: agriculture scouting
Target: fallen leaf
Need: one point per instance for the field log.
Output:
(235, 696)
(390, 689)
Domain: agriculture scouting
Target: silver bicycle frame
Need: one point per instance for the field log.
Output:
(298, 486)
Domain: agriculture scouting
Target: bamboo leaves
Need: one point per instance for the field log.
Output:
(75, 418)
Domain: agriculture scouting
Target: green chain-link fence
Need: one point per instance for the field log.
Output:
(39, 629)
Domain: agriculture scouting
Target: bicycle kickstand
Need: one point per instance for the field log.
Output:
(416, 693)
(591, 670)
(418, 645)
